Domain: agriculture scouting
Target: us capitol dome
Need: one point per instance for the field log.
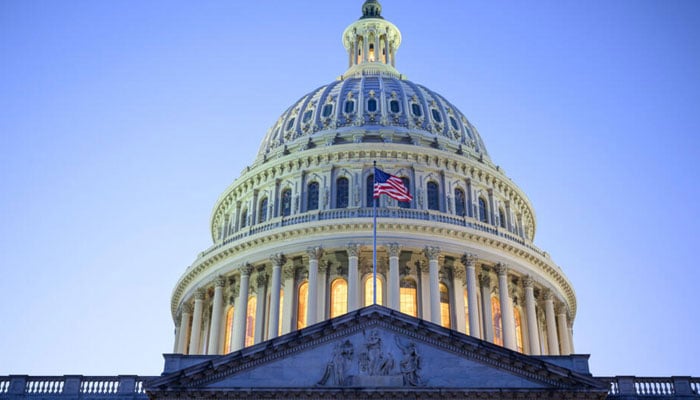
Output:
(292, 236)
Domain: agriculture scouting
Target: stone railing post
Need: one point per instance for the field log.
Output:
(71, 386)
(625, 386)
(681, 387)
(127, 385)
(18, 383)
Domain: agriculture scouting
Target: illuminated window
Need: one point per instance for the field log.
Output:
(405, 204)
(444, 306)
(244, 218)
(303, 297)
(262, 212)
(229, 330)
(342, 189)
(502, 218)
(497, 322)
(250, 321)
(482, 210)
(369, 291)
(460, 201)
(286, 202)
(370, 191)
(408, 297)
(279, 321)
(339, 297)
(518, 330)
(466, 310)
(371, 52)
(433, 196)
(312, 196)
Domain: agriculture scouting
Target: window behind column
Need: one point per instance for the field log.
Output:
(250, 321)
(518, 329)
(244, 218)
(460, 201)
(229, 330)
(342, 190)
(286, 202)
(262, 211)
(369, 291)
(445, 306)
(302, 303)
(466, 310)
(496, 321)
(407, 183)
(312, 196)
(369, 191)
(501, 218)
(483, 217)
(339, 297)
(408, 297)
(433, 196)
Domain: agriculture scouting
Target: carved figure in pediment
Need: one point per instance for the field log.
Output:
(337, 369)
(410, 363)
(373, 360)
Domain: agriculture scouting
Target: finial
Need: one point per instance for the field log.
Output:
(371, 9)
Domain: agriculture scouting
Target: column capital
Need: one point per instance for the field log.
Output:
(528, 282)
(314, 253)
(485, 279)
(394, 249)
(469, 260)
(353, 249)
(422, 266)
(261, 279)
(220, 281)
(501, 269)
(200, 294)
(288, 272)
(278, 259)
(548, 295)
(187, 308)
(432, 252)
(246, 269)
(459, 272)
(560, 309)
(324, 266)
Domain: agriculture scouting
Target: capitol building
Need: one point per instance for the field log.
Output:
(285, 303)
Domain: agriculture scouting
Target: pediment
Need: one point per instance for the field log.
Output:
(374, 348)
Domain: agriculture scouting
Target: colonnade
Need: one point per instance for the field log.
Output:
(484, 299)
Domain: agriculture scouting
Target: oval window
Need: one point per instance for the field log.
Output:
(349, 106)
(307, 116)
(415, 109)
(436, 115)
(394, 106)
(290, 124)
(327, 110)
(454, 124)
(372, 105)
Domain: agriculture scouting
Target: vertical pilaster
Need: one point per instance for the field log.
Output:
(260, 306)
(273, 325)
(563, 326)
(485, 280)
(185, 316)
(506, 307)
(394, 278)
(458, 278)
(531, 315)
(239, 315)
(552, 340)
(469, 261)
(353, 277)
(196, 334)
(314, 254)
(217, 314)
(433, 252)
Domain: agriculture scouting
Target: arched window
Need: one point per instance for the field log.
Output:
(244, 218)
(342, 191)
(436, 115)
(444, 306)
(327, 110)
(407, 183)
(497, 321)
(501, 218)
(312, 196)
(394, 106)
(408, 297)
(262, 211)
(416, 110)
(349, 106)
(250, 321)
(372, 105)
(483, 216)
(286, 202)
(339, 297)
(369, 291)
(369, 191)
(466, 310)
(518, 329)
(229, 330)
(460, 202)
(433, 196)
(302, 303)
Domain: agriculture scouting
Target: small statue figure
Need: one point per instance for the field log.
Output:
(410, 363)
(337, 368)
(374, 361)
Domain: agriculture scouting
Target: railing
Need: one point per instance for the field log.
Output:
(673, 387)
(401, 213)
(74, 386)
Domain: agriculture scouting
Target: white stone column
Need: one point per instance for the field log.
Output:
(458, 277)
(532, 330)
(185, 316)
(196, 334)
(485, 281)
(506, 307)
(217, 314)
(353, 277)
(239, 314)
(563, 326)
(469, 261)
(394, 285)
(312, 304)
(289, 301)
(571, 337)
(274, 317)
(424, 289)
(260, 306)
(322, 285)
(552, 340)
(176, 345)
(432, 252)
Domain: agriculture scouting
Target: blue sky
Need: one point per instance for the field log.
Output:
(122, 122)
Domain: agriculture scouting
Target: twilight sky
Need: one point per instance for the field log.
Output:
(122, 122)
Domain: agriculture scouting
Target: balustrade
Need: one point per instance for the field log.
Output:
(75, 387)
(672, 387)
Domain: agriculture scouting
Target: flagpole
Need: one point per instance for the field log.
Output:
(374, 236)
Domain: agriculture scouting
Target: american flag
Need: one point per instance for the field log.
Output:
(391, 186)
